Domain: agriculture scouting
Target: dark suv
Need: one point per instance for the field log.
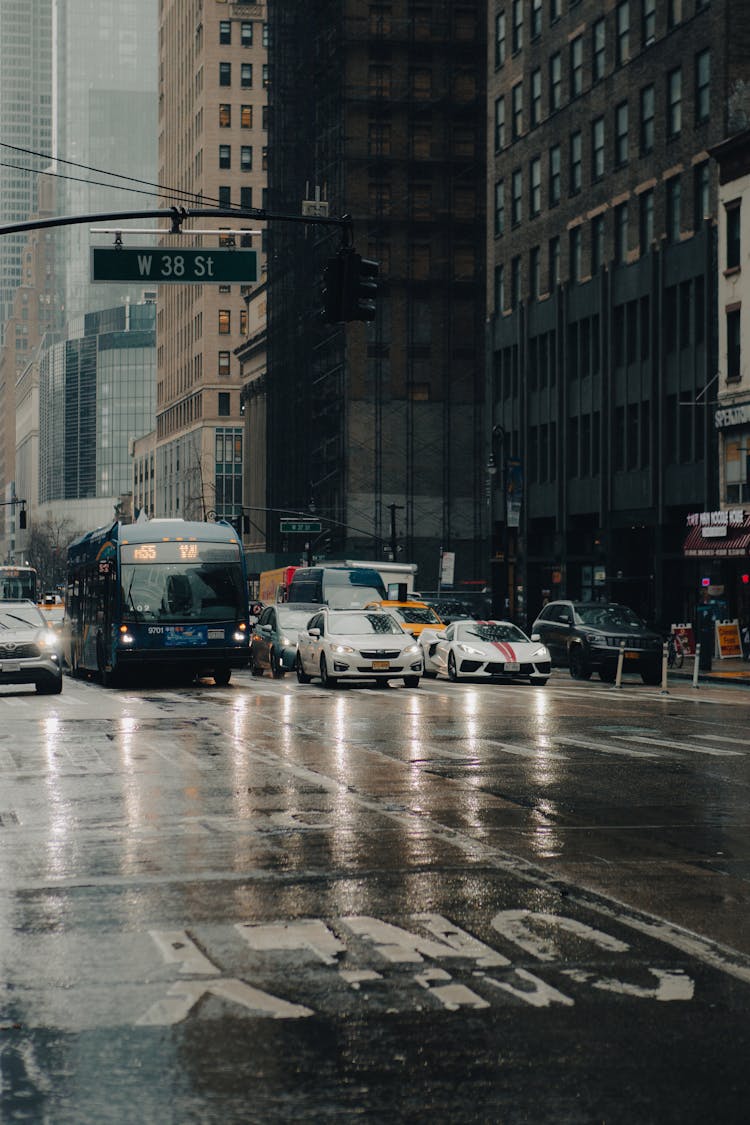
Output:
(586, 636)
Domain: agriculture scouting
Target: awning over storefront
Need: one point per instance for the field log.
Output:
(718, 542)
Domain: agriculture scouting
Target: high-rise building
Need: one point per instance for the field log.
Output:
(213, 76)
(601, 289)
(105, 128)
(378, 427)
(25, 127)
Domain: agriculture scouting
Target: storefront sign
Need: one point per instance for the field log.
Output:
(728, 639)
(732, 416)
(731, 517)
(686, 633)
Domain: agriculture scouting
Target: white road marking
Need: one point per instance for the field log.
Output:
(309, 933)
(673, 984)
(182, 997)
(177, 948)
(713, 751)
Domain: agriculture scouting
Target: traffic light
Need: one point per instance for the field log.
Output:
(361, 288)
(350, 286)
(22, 519)
(333, 290)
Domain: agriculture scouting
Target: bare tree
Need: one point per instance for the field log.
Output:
(46, 550)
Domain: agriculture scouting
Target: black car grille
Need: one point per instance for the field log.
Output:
(500, 670)
(19, 651)
(378, 654)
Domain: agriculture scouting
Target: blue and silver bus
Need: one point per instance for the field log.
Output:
(164, 593)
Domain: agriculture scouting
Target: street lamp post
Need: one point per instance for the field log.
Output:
(498, 543)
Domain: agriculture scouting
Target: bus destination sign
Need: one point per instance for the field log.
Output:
(157, 265)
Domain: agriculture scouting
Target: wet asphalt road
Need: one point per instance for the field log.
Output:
(461, 903)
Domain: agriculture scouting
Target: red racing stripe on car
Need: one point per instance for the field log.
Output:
(504, 649)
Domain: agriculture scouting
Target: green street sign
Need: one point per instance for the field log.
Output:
(304, 527)
(157, 266)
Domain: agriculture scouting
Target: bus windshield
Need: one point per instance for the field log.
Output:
(205, 591)
(18, 582)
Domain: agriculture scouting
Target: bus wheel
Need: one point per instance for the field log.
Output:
(222, 675)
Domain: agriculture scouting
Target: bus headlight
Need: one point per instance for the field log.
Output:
(126, 639)
(241, 638)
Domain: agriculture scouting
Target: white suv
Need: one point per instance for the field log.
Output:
(349, 644)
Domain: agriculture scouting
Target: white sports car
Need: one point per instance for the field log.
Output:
(488, 650)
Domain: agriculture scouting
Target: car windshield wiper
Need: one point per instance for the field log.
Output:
(23, 621)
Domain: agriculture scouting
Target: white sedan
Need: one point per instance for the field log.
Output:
(340, 644)
(488, 650)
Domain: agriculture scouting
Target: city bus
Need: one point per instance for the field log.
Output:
(18, 582)
(166, 593)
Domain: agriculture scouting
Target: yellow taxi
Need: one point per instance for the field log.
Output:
(413, 617)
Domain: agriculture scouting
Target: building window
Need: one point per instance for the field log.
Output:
(246, 117)
(553, 261)
(733, 215)
(575, 162)
(734, 360)
(517, 28)
(598, 50)
(574, 249)
(535, 273)
(621, 233)
(702, 86)
(517, 110)
(673, 189)
(225, 196)
(225, 156)
(265, 76)
(701, 193)
(225, 74)
(499, 124)
(499, 208)
(223, 364)
(499, 40)
(225, 116)
(515, 282)
(622, 33)
(555, 7)
(224, 404)
(225, 31)
(536, 18)
(576, 66)
(555, 82)
(264, 117)
(674, 13)
(535, 186)
(647, 120)
(516, 197)
(674, 102)
(646, 220)
(246, 33)
(554, 176)
(597, 149)
(246, 198)
(621, 134)
(421, 84)
(648, 22)
(499, 279)
(246, 75)
(597, 243)
(536, 97)
(225, 322)
(246, 158)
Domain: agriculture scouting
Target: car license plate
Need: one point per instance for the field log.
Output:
(512, 666)
(380, 665)
(10, 666)
(631, 655)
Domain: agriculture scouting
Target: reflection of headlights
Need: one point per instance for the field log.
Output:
(469, 650)
(342, 648)
(540, 652)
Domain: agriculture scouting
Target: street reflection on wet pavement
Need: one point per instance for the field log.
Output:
(469, 902)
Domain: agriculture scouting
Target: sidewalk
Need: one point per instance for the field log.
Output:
(729, 671)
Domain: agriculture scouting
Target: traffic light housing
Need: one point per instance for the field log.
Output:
(22, 519)
(350, 286)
